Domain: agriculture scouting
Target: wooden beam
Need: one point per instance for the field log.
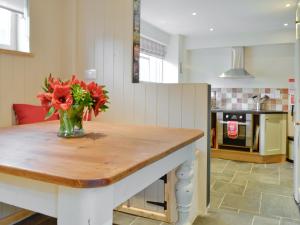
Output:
(16, 217)
(143, 213)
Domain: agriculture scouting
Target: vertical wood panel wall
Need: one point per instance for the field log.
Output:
(105, 43)
(21, 77)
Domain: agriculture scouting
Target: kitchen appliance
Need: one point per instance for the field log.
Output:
(238, 65)
(245, 129)
(260, 103)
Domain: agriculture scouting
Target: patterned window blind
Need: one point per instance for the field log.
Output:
(152, 48)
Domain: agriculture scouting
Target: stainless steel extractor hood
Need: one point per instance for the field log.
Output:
(238, 65)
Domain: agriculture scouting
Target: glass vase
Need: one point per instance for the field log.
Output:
(71, 123)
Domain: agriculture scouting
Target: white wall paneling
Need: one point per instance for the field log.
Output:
(173, 105)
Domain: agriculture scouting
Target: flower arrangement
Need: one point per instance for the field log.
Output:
(74, 101)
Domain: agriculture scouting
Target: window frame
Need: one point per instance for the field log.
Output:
(146, 56)
(14, 47)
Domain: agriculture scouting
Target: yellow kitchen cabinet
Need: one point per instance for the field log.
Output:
(273, 134)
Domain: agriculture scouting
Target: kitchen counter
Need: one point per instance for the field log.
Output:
(255, 112)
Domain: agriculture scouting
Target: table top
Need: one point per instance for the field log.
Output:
(104, 156)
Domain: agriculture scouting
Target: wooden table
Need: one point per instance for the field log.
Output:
(80, 181)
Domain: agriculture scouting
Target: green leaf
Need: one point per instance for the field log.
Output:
(50, 113)
(45, 89)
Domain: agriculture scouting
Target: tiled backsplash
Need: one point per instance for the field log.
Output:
(241, 98)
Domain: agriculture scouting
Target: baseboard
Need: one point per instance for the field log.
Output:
(247, 156)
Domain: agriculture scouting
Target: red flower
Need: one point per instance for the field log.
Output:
(45, 99)
(98, 96)
(83, 85)
(53, 82)
(74, 80)
(62, 97)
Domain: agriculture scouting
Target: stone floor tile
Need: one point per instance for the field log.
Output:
(225, 176)
(252, 193)
(241, 178)
(229, 209)
(239, 166)
(285, 221)
(123, 218)
(215, 199)
(266, 171)
(224, 217)
(286, 181)
(246, 203)
(269, 188)
(228, 188)
(259, 165)
(259, 220)
(218, 165)
(287, 165)
(286, 172)
(275, 205)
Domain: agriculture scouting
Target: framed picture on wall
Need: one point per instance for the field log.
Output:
(136, 41)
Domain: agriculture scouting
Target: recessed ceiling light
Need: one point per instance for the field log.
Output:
(286, 24)
(288, 5)
(194, 14)
(211, 29)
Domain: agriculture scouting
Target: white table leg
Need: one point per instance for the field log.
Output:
(184, 191)
(85, 206)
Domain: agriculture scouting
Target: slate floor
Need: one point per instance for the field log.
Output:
(244, 194)
(251, 194)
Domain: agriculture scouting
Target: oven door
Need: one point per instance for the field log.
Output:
(241, 137)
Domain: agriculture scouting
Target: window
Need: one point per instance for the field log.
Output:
(14, 26)
(151, 61)
(151, 68)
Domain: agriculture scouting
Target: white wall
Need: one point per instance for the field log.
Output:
(271, 65)
(153, 33)
(245, 39)
(171, 60)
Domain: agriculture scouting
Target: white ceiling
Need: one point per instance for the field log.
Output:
(227, 17)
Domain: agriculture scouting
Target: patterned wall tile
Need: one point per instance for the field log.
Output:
(241, 98)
